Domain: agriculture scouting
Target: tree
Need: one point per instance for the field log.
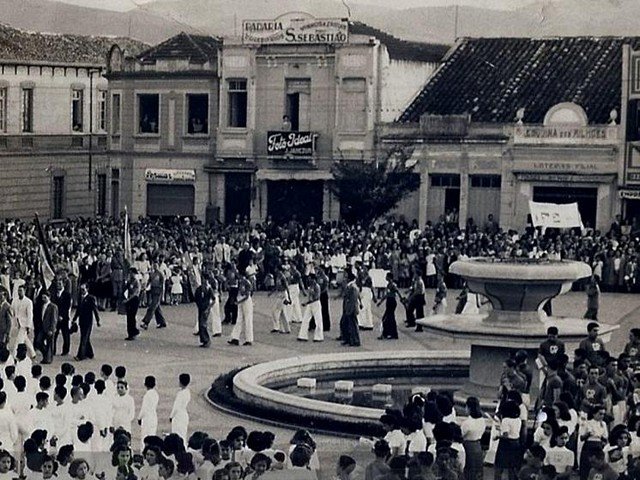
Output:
(368, 191)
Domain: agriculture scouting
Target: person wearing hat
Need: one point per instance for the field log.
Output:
(132, 303)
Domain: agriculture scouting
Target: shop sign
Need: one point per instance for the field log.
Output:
(295, 29)
(633, 177)
(169, 175)
(444, 125)
(565, 134)
(291, 143)
(586, 168)
(629, 194)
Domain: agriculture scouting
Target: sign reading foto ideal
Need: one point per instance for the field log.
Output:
(290, 143)
(295, 28)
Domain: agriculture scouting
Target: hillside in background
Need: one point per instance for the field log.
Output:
(160, 19)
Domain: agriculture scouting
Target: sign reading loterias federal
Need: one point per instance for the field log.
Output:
(295, 28)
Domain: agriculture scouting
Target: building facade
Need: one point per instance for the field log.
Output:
(53, 102)
(297, 94)
(163, 114)
(492, 131)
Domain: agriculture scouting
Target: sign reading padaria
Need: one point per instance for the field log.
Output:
(295, 28)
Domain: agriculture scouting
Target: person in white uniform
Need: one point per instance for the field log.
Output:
(23, 311)
(215, 316)
(179, 414)
(281, 310)
(124, 408)
(8, 425)
(312, 310)
(245, 313)
(148, 417)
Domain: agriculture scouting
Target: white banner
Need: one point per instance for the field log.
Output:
(378, 277)
(553, 215)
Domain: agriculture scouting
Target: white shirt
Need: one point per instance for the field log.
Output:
(559, 457)
(23, 310)
(417, 442)
(473, 428)
(396, 439)
(510, 426)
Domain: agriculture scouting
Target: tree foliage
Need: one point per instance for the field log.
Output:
(368, 191)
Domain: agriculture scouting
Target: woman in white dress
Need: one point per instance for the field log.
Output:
(179, 415)
(365, 317)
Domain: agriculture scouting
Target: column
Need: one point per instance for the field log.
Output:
(424, 195)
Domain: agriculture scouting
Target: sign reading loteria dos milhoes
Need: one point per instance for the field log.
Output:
(295, 28)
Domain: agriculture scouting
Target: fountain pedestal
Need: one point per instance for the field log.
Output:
(517, 290)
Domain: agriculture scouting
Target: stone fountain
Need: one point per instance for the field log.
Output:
(517, 289)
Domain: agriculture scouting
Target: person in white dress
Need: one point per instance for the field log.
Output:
(124, 408)
(365, 316)
(148, 417)
(245, 313)
(215, 317)
(179, 414)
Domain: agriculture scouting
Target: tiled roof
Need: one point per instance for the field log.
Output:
(63, 48)
(196, 48)
(491, 78)
(402, 49)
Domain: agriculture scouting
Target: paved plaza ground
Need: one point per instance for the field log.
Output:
(168, 352)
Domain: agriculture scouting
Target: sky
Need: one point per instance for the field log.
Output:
(123, 5)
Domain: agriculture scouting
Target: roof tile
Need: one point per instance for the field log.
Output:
(500, 75)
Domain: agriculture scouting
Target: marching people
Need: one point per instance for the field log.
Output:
(245, 313)
(132, 303)
(23, 310)
(204, 298)
(349, 334)
(6, 321)
(156, 288)
(281, 310)
(85, 313)
(312, 309)
(388, 327)
(62, 298)
(415, 301)
(49, 324)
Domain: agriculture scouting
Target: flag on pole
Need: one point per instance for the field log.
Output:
(128, 254)
(46, 269)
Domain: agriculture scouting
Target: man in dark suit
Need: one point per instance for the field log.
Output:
(87, 309)
(6, 320)
(62, 298)
(132, 303)
(38, 339)
(49, 325)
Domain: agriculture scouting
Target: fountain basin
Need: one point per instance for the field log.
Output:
(260, 386)
(517, 288)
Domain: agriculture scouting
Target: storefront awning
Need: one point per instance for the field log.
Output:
(276, 174)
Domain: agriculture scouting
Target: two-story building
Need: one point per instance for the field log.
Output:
(163, 112)
(53, 103)
(505, 121)
(297, 94)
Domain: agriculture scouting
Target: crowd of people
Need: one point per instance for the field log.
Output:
(587, 424)
(169, 260)
(586, 413)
